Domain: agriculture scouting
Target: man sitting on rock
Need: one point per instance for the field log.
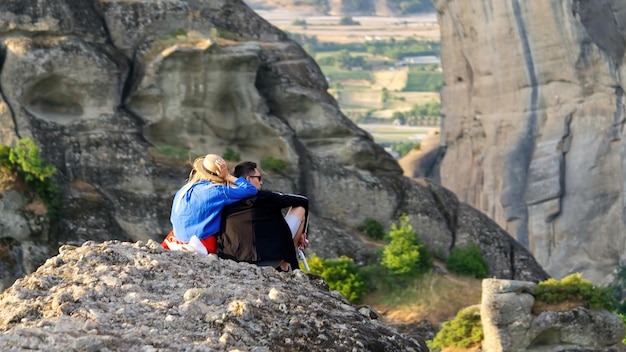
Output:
(254, 229)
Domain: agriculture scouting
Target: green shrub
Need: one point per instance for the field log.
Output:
(467, 262)
(176, 153)
(405, 255)
(4, 156)
(273, 164)
(574, 287)
(231, 155)
(464, 331)
(342, 275)
(36, 172)
(348, 21)
(372, 228)
(299, 22)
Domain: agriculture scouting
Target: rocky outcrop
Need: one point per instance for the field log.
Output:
(509, 323)
(118, 296)
(534, 116)
(121, 95)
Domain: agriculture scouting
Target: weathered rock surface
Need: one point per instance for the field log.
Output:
(107, 88)
(120, 296)
(534, 116)
(509, 323)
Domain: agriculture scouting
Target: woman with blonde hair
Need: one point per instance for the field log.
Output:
(197, 207)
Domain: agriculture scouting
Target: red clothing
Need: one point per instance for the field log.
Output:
(210, 242)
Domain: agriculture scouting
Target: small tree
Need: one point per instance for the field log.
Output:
(405, 255)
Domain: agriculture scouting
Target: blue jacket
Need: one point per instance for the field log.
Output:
(197, 208)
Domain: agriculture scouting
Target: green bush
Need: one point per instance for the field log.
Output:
(468, 262)
(342, 275)
(405, 255)
(231, 155)
(574, 287)
(464, 331)
(348, 21)
(24, 158)
(372, 228)
(176, 153)
(273, 164)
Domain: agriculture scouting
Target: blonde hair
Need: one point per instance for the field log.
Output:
(195, 176)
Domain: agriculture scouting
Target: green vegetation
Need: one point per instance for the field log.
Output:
(390, 48)
(420, 81)
(467, 262)
(575, 288)
(299, 22)
(342, 275)
(413, 6)
(273, 164)
(24, 159)
(464, 331)
(402, 148)
(372, 228)
(336, 74)
(231, 155)
(348, 21)
(405, 255)
(343, 59)
(174, 153)
(403, 259)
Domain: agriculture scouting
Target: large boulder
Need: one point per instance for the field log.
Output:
(121, 296)
(510, 324)
(534, 113)
(121, 95)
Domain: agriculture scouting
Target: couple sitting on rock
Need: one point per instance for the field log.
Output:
(229, 215)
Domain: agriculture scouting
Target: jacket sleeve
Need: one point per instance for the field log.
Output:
(284, 200)
(243, 189)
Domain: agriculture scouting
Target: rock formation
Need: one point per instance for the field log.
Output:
(534, 116)
(108, 89)
(510, 325)
(120, 296)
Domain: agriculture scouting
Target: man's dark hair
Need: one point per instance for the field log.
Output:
(244, 169)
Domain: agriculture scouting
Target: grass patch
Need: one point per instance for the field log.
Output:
(420, 81)
(433, 297)
(337, 74)
(173, 153)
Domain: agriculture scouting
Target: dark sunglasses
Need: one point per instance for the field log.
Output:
(259, 177)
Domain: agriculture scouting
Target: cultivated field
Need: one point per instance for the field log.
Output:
(361, 92)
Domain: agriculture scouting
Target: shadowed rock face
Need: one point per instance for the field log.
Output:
(534, 115)
(117, 296)
(104, 88)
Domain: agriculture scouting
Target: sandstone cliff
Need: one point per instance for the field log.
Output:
(103, 87)
(534, 116)
(119, 296)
